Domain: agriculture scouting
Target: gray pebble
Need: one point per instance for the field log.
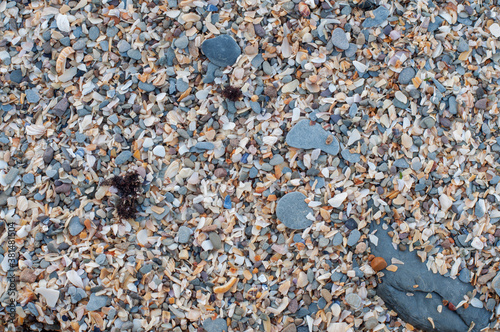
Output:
(353, 300)
(123, 157)
(134, 54)
(32, 96)
(123, 46)
(16, 76)
(183, 234)
(28, 178)
(353, 238)
(215, 240)
(75, 227)
(146, 87)
(427, 122)
(381, 14)
(350, 157)
(406, 75)
(463, 45)
(306, 136)
(276, 160)
(292, 211)
(96, 302)
(215, 325)
(11, 175)
(221, 51)
(339, 39)
(205, 145)
(94, 33)
(181, 42)
(338, 239)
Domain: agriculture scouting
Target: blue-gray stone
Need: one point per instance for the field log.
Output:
(401, 163)
(407, 290)
(257, 61)
(16, 76)
(181, 85)
(353, 237)
(28, 178)
(495, 283)
(215, 325)
(339, 39)
(75, 227)
(478, 209)
(351, 51)
(350, 157)
(96, 302)
(465, 275)
(292, 211)
(123, 46)
(32, 96)
(101, 259)
(104, 45)
(222, 50)
(276, 160)
(353, 110)
(181, 42)
(305, 135)
(32, 308)
(380, 15)
(123, 157)
(255, 107)
(205, 145)
(183, 234)
(146, 86)
(113, 118)
(210, 75)
(146, 268)
(94, 33)
(406, 75)
(438, 85)
(337, 239)
(11, 175)
(463, 45)
(134, 54)
(433, 26)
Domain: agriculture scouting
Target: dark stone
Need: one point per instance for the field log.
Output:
(414, 278)
(61, 107)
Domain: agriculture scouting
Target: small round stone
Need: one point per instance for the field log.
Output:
(292, 211)
(221, 51)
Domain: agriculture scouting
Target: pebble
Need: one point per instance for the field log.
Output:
(48, 155)
(123, 157)
(16, 76)
(406, 75)
(292, 211)
(215, 325)
(339, 39)
(159, 151)
(380, 15)
(11, 175)
(306, 136)
(32, 96)
(181, 42)
(353, 238)
(427, 122)
(75, 227)
(94, 33)
(495, 30)
(222, 50)
(184, 234)
(353, 300)
(216, 240)
(96, 302)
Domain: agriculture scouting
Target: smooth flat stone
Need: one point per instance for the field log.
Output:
(215, 325)
(75, 227)
(221, 51)
(381, 14)
(417, 308)
(292, 211)
(96, 302)
(306, 136)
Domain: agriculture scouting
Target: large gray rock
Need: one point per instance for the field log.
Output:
(221, 51)
(417, 308)
(292, 211)
(310, 135)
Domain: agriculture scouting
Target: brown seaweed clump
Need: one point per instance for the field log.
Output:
(232, 93)
(128, 187)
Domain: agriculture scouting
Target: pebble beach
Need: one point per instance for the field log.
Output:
(250, 165)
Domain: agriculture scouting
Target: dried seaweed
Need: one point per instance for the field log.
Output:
(232, 93)
(128, 189)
